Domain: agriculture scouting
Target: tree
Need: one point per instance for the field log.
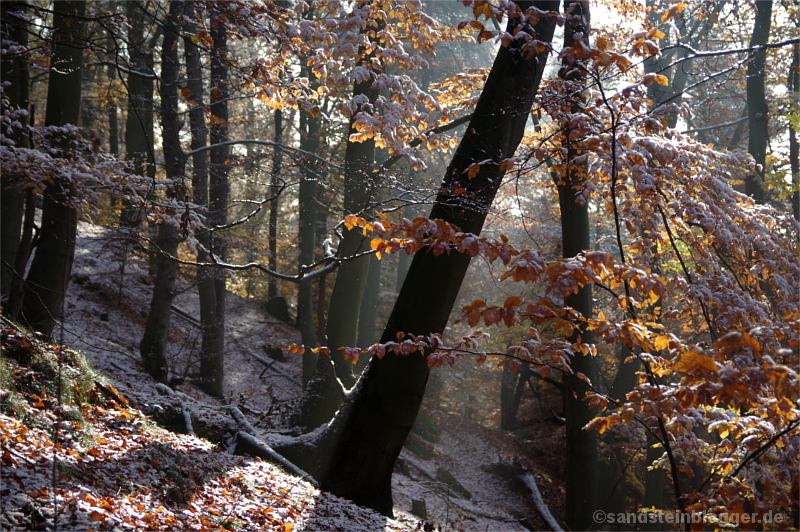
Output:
(46, 283)
(581, 445)
(139, 137)
(355, 455)
(359, 185)
(153, 346)
(211, 364)
(757, 108)
(211, 343)
(15, 70)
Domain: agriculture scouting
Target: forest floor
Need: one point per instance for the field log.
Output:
(119, 467)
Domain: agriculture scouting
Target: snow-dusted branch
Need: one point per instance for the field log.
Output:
(262, 143)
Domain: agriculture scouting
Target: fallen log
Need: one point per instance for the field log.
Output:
(544, 511)
(249, 444)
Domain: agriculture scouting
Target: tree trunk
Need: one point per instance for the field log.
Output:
(359, 184)
(212, 363)
(139, 138)
(355, 454)
(794, 146)
(111, 105)
(277, 163)
(581, 445)
(368, 311)
(307, 221)
(153, 347)
(211, 343)
(12, 201)
(47, 280)
(757, 109)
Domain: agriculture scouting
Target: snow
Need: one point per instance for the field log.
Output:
(105, 312)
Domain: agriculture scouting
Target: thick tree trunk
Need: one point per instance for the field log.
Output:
(354, 456)
(153, 347)
(212, 362)
(47, 279)
(581, 445)
(139, 137)
(757, 108)
(12, 201)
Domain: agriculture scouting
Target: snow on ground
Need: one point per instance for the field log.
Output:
(107, 303)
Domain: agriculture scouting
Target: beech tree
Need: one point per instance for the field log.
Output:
(757, 109)
(355, 454)
(15, 71)
(46, 283)
(153, 345)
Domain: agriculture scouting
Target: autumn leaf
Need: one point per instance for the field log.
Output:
(673, 10)
(473, 170)
(693, 360)
(661, 342)
(484, 9)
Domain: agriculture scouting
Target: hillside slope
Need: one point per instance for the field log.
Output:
(121, 462)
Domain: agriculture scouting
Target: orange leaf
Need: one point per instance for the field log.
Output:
(512, 301)
(473, 170)
(673, 10)
(693, 360)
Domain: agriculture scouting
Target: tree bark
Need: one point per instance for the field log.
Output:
(212, 363)
(47, 279)
(757, 108)
(354, 456)
(794, 146)
(368, 311)
(211, 342)
(139, 137)
(307, 221)
(15, 70)
(359, 185)
(274, 189)
(581, 445)
(153, 346)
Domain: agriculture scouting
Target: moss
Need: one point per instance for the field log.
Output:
(444, 476)
(426, 427)
(13, 405)
(419, 449)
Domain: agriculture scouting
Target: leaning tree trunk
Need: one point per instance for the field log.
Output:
(355, 454)
(757, 108)
(12, 200)
(47, 280)
(153, 347)
(581, 445)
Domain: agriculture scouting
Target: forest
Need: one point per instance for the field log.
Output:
(400, 265)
